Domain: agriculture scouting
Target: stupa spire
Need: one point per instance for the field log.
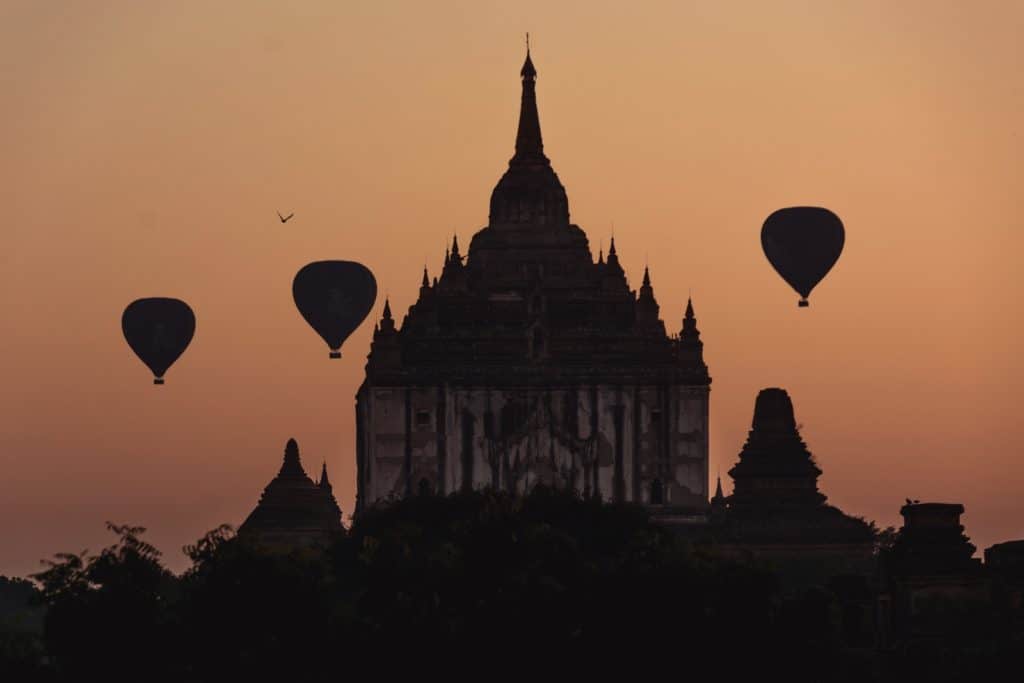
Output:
(387, 323)
(529, 193)
(291, 466)
(324, 482)
(529, 145)
(456, 257)
(689, 331)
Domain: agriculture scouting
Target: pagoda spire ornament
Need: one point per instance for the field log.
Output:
(292, 466)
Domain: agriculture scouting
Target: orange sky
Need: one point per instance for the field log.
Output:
(146, 147)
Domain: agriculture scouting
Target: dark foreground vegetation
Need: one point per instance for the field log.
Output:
(472, 582)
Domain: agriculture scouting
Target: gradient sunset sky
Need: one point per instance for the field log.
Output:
(147, 146)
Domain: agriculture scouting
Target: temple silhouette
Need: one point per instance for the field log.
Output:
(776, 510)
(294, 510)
(528, 361)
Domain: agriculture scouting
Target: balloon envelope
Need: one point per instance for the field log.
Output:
(158, 330)
(334, 297)
(803, 243)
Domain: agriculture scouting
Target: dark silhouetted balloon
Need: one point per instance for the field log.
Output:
(334, 297)
(803, 243)
(158, 330)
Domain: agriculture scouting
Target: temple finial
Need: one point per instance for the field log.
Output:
(324, 482)
(426, 280)
(387, 310)
(455, 249)
(529, 145)
(647, 277)
(690, 335)
(291, 465)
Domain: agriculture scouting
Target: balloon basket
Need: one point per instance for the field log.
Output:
(335, 354)
(158, 380)
(803, 303)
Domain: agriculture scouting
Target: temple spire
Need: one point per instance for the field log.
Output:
(718, 503)
(529, 145)
(387, 323)
(291, 465)
(689, 331)
(325, 483)
(613, 258)
(426, 280)
(455, 255)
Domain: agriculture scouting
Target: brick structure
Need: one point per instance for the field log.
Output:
(529, 362)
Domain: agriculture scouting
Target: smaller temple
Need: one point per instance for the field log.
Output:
(294, 511)
(775, 469)
(776, 511)
(931, 580)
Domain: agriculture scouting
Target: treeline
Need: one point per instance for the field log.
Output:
(432, 586)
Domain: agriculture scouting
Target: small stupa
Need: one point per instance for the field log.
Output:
(294, 511)
(775, 467)
(775, 499)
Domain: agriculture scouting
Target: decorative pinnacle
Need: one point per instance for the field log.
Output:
(291, 465)
(647, 277)
(529, 144)
(324, 483)
(426, 280)
(387, 310)
(528, 70)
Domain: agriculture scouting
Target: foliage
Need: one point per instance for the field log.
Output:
(443, 582)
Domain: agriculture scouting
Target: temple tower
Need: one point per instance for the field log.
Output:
(293, 510)
(526, 362)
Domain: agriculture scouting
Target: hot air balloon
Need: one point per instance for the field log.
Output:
(158, 330)
(334, 297)
(803, 243)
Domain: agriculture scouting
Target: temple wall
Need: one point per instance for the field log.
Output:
(630, 443)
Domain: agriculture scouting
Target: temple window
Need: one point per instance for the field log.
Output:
(422, 418)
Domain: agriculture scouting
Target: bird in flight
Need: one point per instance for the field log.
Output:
(284, 219)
